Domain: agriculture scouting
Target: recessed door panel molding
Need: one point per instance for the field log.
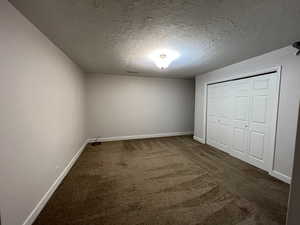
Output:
(240, 118)
(257, 146)
(261, 84)
(241, 104)
(219, 116)
(239, 138)
(241, 108)
(260, 104)
(261, 120)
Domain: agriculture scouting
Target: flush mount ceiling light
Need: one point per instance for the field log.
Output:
(163, 58)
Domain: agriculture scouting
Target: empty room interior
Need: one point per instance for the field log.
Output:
(139, 112)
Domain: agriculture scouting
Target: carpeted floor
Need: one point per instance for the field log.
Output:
(164, 181)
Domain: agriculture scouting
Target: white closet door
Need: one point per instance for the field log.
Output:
(225, 116)
(241, 118)
(212, 116)
(241, 105)
(261, 120)
(219, 113)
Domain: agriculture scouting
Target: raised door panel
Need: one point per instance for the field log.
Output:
(212, 132)
(261, 119)
(241, 112)
(211, 101)
(225, 118)
(212, 116)
(241, 104)
(259, 113)
(257, 145)
(239, 140)
(219, 113)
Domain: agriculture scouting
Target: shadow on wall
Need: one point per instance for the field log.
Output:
(294, 202)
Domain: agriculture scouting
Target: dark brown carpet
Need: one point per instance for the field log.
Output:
(164, 181)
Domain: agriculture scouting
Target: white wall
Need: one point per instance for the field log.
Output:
(293, 217)
(42, 114)
(288, 105)
(129, 105)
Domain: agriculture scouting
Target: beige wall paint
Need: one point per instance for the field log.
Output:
(288, 102)
(129, 105)
(42, 114)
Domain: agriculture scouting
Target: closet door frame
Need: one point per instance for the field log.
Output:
(275, 71)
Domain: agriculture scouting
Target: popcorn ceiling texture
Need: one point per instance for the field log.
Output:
(116, 36)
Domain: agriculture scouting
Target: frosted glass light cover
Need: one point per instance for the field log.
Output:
(163, 58)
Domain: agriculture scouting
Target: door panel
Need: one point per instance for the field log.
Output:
(212, 132)
(261, 119)
(261, 84)
(257, 145)
(240, 118)
(212, 112)
(239, 140)
(219, 116)
(225, 118)
(241, 96)
(259, 108)
(241, 108)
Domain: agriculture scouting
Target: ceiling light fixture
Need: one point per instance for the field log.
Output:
(163, 58)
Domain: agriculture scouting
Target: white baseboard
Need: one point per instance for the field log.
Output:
(201, 140)
(281, 176)
(38, 208)
(143, 136)
(273, 173)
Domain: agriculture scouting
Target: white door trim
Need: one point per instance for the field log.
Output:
(277, 72)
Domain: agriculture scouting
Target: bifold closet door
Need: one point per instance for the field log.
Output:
(219, 116)
(241, 118)
(241, 114)
(262, 121)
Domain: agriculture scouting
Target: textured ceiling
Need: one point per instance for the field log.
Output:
(116, 36)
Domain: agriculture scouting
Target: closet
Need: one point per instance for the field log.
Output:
(241, 118)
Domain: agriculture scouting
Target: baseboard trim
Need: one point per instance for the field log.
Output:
(201, 140)
(281, 176)
(143, 136)
(38, 208)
